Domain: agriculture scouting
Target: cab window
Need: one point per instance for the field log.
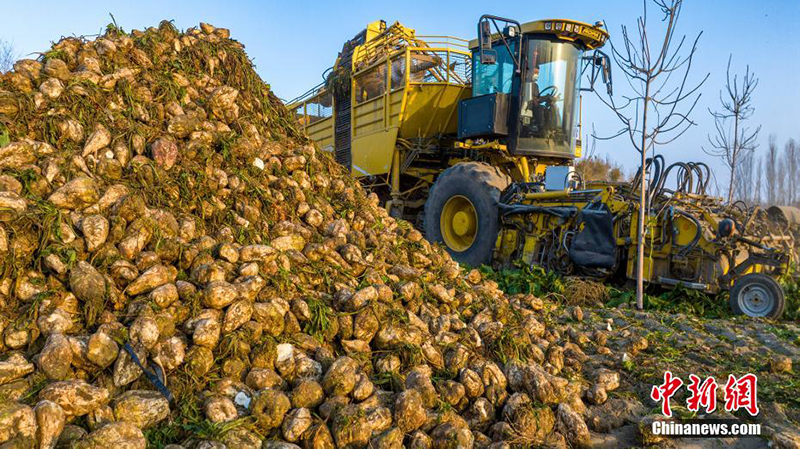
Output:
(493, 78)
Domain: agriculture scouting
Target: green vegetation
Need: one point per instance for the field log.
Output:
(537, 281)
(511, 344)
(321, 316)
(678, 300)
(791, 288)
(524, 279)
(4, 138)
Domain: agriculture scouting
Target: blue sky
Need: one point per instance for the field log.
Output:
(292, 42)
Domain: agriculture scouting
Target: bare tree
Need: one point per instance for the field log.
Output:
(745, 178)
(781, 194)
(791, 156)
(759, 180)
(658, 109)
(8, 56)
(729, 145)
(771, 171)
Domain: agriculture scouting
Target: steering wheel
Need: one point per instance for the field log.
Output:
(551, 89)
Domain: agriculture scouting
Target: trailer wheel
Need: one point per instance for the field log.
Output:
(757, 295)
(461, 211)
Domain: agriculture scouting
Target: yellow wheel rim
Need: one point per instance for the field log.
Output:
(458, 223)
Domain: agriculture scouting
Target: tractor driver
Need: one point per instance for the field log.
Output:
(539, 110)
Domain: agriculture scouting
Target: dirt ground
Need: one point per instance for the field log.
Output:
(645, 344)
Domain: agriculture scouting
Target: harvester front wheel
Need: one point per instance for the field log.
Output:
(757, 295)
(461, 211)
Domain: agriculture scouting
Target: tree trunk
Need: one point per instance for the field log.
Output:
(642, 207)
(734, 155)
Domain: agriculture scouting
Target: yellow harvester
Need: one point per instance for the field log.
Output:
(474, 141)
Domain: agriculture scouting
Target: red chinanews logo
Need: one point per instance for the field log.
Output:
(740, 393)
(702, 395)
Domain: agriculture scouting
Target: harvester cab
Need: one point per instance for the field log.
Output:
(526, 85)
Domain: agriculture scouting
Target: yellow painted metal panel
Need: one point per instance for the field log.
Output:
(368, 117)
(372, 153)
(431, 109)
(687, 230)
(321, 132)
(395, 106)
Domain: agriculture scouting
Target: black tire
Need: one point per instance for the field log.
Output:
(757, 295)
(481, 184)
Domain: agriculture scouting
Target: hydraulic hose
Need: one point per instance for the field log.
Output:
(657, 172)
(680, 178)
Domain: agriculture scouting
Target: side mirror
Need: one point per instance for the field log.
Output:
(487, 54)
(607, 75)
(602, 61)
(486, 36)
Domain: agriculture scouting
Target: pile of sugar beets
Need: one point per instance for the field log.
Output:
(182, 268)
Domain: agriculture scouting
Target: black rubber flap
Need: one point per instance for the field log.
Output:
(595, 245)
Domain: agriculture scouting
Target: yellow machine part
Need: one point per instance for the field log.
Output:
(526, 239)
(410, 91)
(459, 223)
(570, 30)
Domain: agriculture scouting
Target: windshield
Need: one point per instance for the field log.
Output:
(550, 97)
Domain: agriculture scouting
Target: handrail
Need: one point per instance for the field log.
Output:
(375, 52)
(445, 40)
(450, 75)
(308, 94)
